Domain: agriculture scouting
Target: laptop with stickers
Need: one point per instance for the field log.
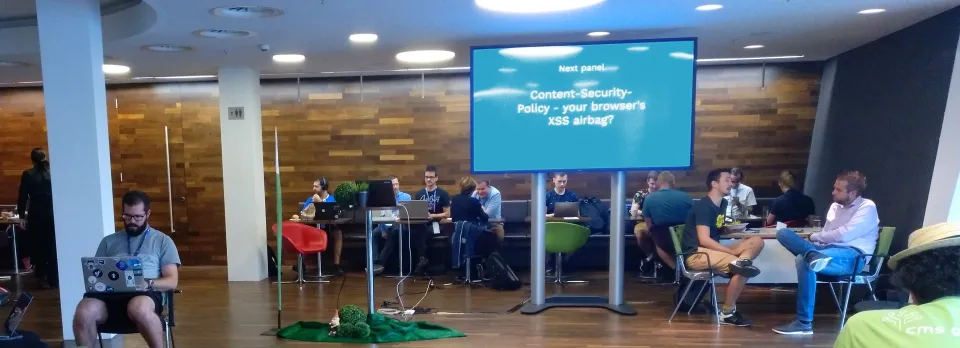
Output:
(113, 274)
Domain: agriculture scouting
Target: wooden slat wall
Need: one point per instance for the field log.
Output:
(344, 130)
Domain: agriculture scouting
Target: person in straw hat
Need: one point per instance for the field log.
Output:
(929, 269)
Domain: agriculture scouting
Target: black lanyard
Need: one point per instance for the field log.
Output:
(147, 231)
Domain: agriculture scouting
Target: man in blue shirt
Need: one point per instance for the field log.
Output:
(387, 231)
(320, 194)
(559, 194)
(661, 210)
(491, 201)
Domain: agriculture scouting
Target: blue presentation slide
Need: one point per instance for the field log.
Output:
(585, 107)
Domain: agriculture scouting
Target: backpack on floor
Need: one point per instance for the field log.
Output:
(500, 274)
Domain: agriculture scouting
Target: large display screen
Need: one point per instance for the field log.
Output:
(605, 106)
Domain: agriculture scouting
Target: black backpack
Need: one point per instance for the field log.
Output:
(500, 274)
(598, 213)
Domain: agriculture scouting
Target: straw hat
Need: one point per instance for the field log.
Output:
(937, 236)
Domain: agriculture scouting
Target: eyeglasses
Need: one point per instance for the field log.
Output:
(429, 177)
(137, 218)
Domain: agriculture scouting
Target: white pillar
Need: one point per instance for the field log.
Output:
(71, 52)
(242, 142)
(943, 202)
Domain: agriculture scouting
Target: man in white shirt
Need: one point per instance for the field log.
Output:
(851, 230)
(741, 196)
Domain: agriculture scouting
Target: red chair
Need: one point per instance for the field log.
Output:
(304, 239)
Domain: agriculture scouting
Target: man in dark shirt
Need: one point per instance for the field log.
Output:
(661, 210)
(438, 204)
(559, 194)
(701, 236)
(793, 207)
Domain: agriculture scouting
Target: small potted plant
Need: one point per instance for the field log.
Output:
(362, 191)
(346, 195)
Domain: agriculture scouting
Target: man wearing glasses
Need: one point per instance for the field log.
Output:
(160, 262)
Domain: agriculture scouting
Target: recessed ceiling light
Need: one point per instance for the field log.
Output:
(223, 33)
(246, 11)
(425, 56)
(753, 47)
(872, 11)
(534, 6)
(115, 69)
(708, 60)
(599, 33)
(288, 58)
(166, 48)
(709, 7)
(185, 77)
(4, 63)
(363, 38)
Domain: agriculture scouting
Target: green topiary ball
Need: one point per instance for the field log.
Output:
(351, 314)
(361, 330)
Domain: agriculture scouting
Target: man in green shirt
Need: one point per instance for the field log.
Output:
(930, 270)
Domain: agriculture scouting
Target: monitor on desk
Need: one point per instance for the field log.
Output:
(380, 194)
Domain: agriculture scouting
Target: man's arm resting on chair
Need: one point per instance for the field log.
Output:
(168, 280)
(703, 236)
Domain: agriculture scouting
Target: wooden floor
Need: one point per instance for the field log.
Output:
(214, 313)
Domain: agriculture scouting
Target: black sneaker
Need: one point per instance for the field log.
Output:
(817, 261)
(734, 318)
(337, 270)
(794, 328)
(744, 268)
(646, 266)
(377, 269)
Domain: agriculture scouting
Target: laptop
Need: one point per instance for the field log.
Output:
(16, 315)
(380, 194)
(417, 210)
(325, 211)
(567, 210)
(113, 274)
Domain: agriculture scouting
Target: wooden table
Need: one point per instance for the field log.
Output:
(11, 228)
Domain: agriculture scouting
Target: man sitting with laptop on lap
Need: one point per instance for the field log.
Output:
(160, 261)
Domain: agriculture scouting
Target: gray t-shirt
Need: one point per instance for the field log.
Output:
(157, 250)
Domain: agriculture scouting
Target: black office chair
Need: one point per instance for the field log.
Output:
(125, 326)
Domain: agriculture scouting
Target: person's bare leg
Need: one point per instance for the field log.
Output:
(734, 287)
(666, 258)
(749, 248)
(337, 244)
(90, 312)
(141, 312)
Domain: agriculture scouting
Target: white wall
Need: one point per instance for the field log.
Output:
(943, 202)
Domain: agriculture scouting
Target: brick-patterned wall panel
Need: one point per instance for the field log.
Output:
(344, 129)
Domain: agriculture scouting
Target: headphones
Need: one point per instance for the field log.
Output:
(324, 185)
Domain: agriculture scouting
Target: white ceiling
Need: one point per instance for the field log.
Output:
(817, 29)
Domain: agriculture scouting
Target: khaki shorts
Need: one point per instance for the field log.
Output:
(498, 230)
(719, 261)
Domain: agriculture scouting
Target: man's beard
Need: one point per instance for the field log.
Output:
(134, 230)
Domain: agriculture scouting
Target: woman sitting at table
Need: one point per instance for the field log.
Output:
(468, 216)
(793, 207)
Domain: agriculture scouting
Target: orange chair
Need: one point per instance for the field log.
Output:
(304, 239)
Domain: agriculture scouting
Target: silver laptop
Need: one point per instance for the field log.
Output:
(113, 274)
(566, 209)
(417, 210)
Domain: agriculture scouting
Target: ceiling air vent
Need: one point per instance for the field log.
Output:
(223, 33)
(246, 11)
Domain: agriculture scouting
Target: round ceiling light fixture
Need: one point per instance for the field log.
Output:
(288, 58)
(223, 33)
(115, 69)
(246, 11)
(872, 11)
(166, 48)
(425, 56)
(598, 33)
(709, 7)
(363, 38)
(753, 47)
(534, 6)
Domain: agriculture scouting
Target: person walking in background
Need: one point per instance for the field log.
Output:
(35, 206)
